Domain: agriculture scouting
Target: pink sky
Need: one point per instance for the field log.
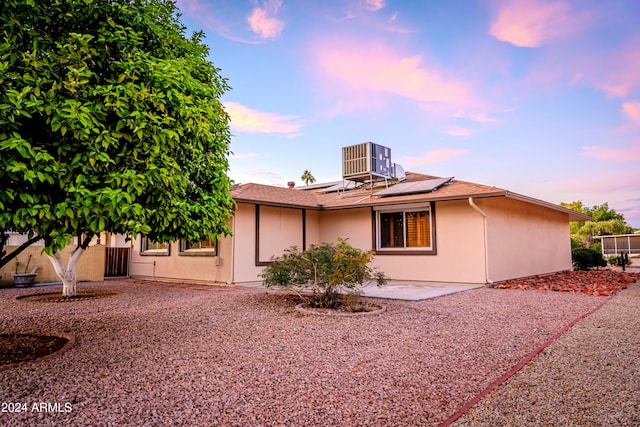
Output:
(511, 93)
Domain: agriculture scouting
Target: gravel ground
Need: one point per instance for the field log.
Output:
(588, 377)
(161, 354)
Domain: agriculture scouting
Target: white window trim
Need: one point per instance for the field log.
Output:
(201, 251)
(145, 251)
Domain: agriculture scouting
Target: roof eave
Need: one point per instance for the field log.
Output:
(390, 200)
(573, 215)
(277, 204)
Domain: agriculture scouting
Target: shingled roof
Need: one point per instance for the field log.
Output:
(275, 196)
(313, 198)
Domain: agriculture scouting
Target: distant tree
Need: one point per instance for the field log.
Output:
(606, 221)
(307, 177)
(110, 120)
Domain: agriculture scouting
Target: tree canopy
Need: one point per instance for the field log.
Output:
(307, 177)
(605, 221)
(110, 120)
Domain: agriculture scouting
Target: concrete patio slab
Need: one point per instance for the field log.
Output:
(403, 290)
(415, 291)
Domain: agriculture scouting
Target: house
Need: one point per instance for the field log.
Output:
(422, 227)
(620, 243)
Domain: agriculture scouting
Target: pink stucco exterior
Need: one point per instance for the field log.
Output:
(525, 239)
(460, 256)
(479, 235)
(521, 240)
(177, 267)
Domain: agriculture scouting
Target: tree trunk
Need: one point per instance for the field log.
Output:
(4, 258)
(67, 274)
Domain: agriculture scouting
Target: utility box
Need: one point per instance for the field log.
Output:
(362, 162)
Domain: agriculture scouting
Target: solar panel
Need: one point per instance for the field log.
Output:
(346, 185)
(415, 187)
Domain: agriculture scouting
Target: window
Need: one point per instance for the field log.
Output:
(405, 228)
(151, 247)
(208, 247)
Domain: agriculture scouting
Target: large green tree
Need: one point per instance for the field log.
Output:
(605, 221)
(110, 120)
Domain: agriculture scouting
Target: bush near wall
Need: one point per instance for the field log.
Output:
(587, 258)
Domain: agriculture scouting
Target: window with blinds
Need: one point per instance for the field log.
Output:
(405, 229)
(418, 229)
(204, 247)
(151, 247)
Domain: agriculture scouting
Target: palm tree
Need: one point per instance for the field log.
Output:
(307, 177)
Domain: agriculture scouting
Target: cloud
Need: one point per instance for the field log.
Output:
(373, 5)
(612, 69)
(229, 19)
(245, 119)
(531, 23)
(435, 156)
(621, 70)
(601, 152)
(261, 177)
(632, 111)
(264, 21)
(631, 214)
(597, 187)
(483, 118)
(458, 132)
(376, 67)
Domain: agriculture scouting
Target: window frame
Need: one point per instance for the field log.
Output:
(212, 252)
(404, 208)
(144, 251)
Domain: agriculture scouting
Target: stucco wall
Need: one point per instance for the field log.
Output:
(313, 227)
(459, 240)
(522, 240)
(191, 268)
(354, 224)
(459, 245)
(525, 239)
(280, 228)
(245, 269)
(90, 267)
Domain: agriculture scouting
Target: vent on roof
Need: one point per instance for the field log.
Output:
(398, 172)
(363, 162)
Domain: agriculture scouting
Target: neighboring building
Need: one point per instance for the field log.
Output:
(91, 266)
(620, 243)
(424, 228)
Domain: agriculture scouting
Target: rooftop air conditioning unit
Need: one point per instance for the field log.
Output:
(364, 161)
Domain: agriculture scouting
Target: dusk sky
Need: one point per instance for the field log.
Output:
(537, 97)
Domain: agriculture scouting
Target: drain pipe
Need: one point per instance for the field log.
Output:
(233, 249)
(486, 245)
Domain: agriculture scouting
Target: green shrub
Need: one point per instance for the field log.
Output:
(586, 258)
(619, 260)
(324, 270)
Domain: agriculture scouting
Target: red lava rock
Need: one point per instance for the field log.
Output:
(603, 282)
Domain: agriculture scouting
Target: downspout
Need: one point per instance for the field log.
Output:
(486, 244)
(233, 250)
